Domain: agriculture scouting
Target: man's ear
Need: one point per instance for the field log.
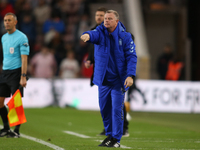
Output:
(16, 22)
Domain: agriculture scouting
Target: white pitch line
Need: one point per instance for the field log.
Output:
(85, 136)
(40, 141)
(77, 134)
(197, 142)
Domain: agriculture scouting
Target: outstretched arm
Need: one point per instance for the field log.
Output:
(91, 36)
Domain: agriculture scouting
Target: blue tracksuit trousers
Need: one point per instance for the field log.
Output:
(111, 102)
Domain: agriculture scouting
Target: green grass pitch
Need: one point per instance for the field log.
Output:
(148, 131)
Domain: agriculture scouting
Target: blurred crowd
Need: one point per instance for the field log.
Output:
(53, 28)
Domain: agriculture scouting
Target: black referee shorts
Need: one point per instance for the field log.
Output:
(9, 82)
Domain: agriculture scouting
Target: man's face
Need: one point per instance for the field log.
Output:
(99, 17)
(110, 21)
(9, 22)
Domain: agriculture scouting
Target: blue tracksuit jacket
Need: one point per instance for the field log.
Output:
(125, 54)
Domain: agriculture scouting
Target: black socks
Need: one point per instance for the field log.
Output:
(17, 128)
(4, 113)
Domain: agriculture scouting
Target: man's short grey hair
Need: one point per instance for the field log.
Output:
(114, 12)
(15, 17)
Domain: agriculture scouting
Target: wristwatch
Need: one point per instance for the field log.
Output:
(132, 77)
(24, 75)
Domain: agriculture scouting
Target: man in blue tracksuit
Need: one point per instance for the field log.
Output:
(99, 18)
(115, 66)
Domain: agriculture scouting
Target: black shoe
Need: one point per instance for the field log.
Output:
(106, 142)
(13, 134)
(114, 143)
(4, 132)
(103, 132)
(125, 133)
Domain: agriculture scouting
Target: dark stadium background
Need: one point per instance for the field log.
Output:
(21, 8)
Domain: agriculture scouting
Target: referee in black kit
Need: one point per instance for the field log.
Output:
(15, 58)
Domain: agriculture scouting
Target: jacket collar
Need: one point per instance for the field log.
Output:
(116, 31)
(121, 27)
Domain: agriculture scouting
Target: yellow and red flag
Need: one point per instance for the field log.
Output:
(16, 113)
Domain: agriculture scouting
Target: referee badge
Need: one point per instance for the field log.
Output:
(12, 50)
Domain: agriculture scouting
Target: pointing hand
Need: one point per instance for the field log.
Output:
(85, 37)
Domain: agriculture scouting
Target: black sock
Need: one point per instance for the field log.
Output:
(17, 128)
(4, 113)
